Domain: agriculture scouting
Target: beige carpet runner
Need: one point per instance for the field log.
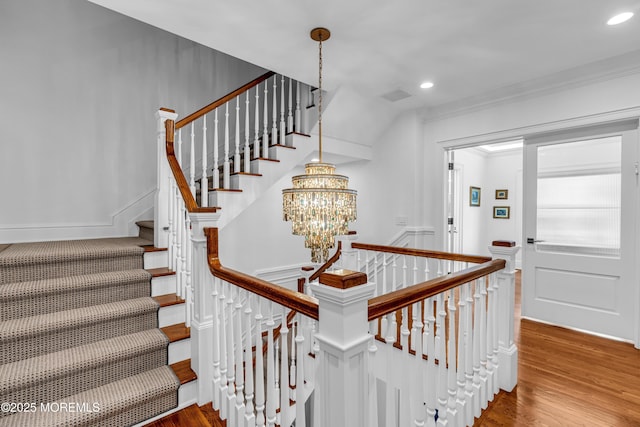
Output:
(79, 337)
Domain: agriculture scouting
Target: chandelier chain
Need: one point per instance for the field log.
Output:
(320, 100)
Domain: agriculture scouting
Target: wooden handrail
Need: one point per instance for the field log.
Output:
(324, 267)
(476, 259)
(215, 104)
(189, 201)
(388, 303)
(301, 303)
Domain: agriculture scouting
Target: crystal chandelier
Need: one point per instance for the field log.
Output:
(320, 205)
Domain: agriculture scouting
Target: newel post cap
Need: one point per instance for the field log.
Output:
(343, 279)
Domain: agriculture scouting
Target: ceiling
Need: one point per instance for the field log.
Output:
(474, 51)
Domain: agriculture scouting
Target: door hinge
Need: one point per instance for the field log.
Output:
(451, 166)
(450, 221)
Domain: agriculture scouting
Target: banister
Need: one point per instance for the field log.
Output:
(388, 303)
(324, 267)
(301, 303)
(215, 104)
(476, 259)
(189, 201)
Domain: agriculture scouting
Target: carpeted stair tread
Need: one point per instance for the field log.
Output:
(44, 260)
(36, 335)
(53, 376)
(32, 298)
(121, 403)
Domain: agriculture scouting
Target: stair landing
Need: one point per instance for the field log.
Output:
(191, 416)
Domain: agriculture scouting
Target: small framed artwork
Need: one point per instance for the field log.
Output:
(502, 194)
(474, 196)
(501, 212)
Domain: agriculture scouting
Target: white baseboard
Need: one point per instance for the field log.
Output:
(121, 224)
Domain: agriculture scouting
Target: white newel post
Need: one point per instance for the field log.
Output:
(161, 210)
(342, 386)
(349, 256)
(202, 314)
(507, 350)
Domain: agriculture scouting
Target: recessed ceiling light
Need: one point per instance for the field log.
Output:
(620, 18)
(426, 85)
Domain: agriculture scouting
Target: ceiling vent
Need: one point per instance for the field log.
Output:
(396, 95)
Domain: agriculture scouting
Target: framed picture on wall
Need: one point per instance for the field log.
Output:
(474, 196)
(502, 194)
(501, 212)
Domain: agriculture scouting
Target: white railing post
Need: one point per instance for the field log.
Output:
(161, 211)
(202, 334)
(342, 390)
(507, 350)
(349, 256)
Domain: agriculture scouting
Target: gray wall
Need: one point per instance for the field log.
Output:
(80, 85)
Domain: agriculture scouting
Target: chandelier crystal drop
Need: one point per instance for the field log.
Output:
(320, 205)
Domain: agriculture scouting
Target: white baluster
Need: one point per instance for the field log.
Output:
(274, 112)
(284, 368)
(391, 337)
(236, 155)
(215, 353)
(496, 338)
(178, 243)
(231, 373)
(225, 166)
(477, 337)
(170, 221)
(204, 183)
(260, 394)
(405, 311)
(483, 343)
(462, 342)
(299, 347)
(192, 163)
(430, 381)
(298, 117)
(265, 123)
(184, 235)
(293, 367)
(441, 352)
(216, 142)
(256, 138)
(224, 407)
(417, 390)
(249, 416)
(189, 288)
(282, 107)
(452, 413)
(468, 358)
(290, 114)
(271, 391)
(247, 152)
(489, 341)
(237, 328)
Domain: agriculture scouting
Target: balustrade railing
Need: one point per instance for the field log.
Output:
(249, 386)
(435, 328)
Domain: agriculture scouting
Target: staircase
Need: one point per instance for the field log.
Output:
(91, 333)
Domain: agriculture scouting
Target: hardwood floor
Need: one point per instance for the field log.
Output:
(568, 378)
(565, 378)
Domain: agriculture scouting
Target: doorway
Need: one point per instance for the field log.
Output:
(580, 215)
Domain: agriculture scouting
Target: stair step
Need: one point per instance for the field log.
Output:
(183, 371)
(246, 174)
(33, 336)
(146, 229)
(23, 262)
(167, 300)
(191, 416)
(125, 402)
(33, 298)
(160, 272)
(177, 332)
(52, 376)
(151, 248)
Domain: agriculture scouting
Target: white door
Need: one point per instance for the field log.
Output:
(580, 221)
